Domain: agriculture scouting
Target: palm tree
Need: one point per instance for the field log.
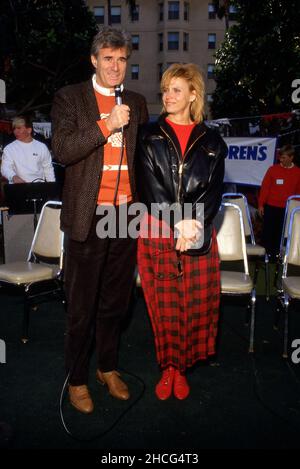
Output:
(131, 5)
(222, 10)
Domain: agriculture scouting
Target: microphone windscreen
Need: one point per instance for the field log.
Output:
(118, 96)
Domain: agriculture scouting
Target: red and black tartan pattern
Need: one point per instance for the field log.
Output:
(183, 306)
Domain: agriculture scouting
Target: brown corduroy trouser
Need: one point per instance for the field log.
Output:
(99, 276)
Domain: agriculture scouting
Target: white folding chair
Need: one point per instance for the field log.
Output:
(255, 251)
(292, 202)
(41, 273)
(232, 247)
(291, 272)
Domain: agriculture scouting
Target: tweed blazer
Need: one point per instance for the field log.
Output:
(78, 143)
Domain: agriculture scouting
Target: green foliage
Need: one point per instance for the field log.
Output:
(45, 45)
(258, 60)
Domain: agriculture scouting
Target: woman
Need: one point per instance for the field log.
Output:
(180, 160)
(279, 183)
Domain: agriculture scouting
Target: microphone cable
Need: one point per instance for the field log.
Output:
(114, 424)
(63, 391)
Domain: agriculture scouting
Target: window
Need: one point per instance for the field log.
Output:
(135, 41)
(186, 11)
(211, 11)
(115, 15)
(99, 15)
(160, 42)
(232, 12)
(212, 41)
(160, 12)
(185, 41)
(160, 71)
(173, 41)
(135, 72)
(173, 12)
(135, 13)
(210, 71)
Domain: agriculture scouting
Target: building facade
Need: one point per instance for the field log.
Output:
(164, 32)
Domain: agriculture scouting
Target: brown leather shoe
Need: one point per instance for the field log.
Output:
(117, 388)
(80, 398)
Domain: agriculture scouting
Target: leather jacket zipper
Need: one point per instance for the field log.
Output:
(180, 171)
(180, 161)
(191, 146)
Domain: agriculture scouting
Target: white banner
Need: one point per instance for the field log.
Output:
(248, 159)
(42, 128)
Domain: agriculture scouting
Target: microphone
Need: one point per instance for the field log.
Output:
(118, 96)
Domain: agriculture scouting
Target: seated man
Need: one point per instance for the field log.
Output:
(26, 159)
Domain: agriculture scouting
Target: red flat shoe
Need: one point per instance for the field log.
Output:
(163, 389)
(181, 388)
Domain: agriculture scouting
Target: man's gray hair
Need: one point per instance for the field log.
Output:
(112, 38)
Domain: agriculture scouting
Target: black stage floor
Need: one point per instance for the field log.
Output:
(237, 400)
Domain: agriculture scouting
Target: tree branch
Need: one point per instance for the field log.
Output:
(41, 67)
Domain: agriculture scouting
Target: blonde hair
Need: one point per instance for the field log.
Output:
(18, 121)
(190, 73)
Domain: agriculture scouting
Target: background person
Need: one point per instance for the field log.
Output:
(99, 273)
(279, 183)
(26, 159)
(180, 159)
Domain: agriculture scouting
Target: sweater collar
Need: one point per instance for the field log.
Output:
(101, 89)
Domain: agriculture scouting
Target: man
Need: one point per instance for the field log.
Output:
(98, 272)
(26, 159)
(280, 182)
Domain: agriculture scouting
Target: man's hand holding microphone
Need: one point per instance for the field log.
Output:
(120, 114)
(118, 118)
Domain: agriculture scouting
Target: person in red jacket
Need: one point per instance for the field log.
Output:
(280, 182)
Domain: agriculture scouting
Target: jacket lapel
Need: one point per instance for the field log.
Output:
(90, 100)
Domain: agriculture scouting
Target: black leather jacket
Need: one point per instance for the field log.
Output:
(165, 176)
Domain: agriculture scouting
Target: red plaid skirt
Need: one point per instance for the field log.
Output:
(183, 306)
